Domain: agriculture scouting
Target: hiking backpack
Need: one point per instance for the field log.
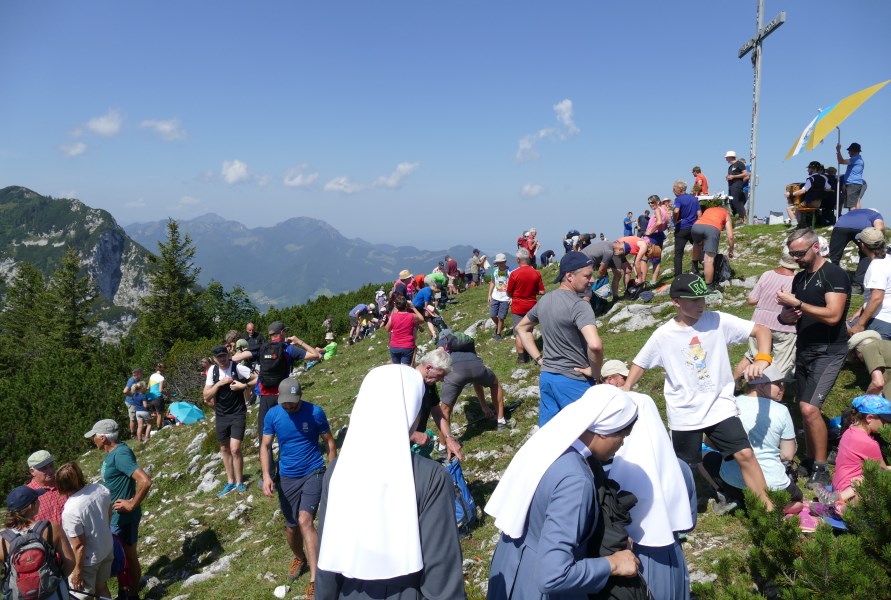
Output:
(274, 366)
(33, 568)
(723, 272)
(465, 505)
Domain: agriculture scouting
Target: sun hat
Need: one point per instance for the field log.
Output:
(870, 404)
(688, 285)
(500, 257)
(869, 336)
(730, 154)
(613, 367)
(404, 274)
(871, 236)
(786, 259)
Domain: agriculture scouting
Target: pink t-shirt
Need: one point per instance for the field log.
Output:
(854, 447)
(765, 293)
(402, 335)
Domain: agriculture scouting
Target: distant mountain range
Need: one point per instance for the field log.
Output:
(293, 261)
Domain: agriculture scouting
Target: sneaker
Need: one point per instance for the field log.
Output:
(497, 337)
(820, 476)
(806, 467)
(500, 426)
(298, 568)
(826, 496)
(227, 489)
(241, 488)
(311, 590)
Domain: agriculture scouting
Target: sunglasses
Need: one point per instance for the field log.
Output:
(799, 253)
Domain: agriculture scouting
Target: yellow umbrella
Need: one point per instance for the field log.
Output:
(835, 114)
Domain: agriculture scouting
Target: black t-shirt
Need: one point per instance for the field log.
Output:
(227, 401)
(430, 400)
(736, 168)
(811, 288)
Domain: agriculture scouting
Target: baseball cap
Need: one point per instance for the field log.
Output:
(871, 404)
(22, 497)
(500, 257)
(854, 147)
(613, 367)
(40, 459)
(220, 351)
(814, 165)
(572, 261)
(289, 391)
(688, 285)
(730, 154)
(868, 336)
(871, 237)
(276, 327)
(770, 374)
(103, 427)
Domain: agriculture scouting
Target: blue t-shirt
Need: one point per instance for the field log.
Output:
(298, 438)
(628, 225)
(854, 171)
(687, 206)
(749, 171)
(136, 401)
(859, 218)
(359, 308)
(422, 297)
(130, 383)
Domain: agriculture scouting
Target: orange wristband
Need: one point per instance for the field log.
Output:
(765, 357)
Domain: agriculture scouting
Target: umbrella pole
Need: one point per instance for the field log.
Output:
(838, 206)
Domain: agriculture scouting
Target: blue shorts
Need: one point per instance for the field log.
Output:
(558, 391)
(301, 494)
(498, 309)
(401, 355)
(128, 532)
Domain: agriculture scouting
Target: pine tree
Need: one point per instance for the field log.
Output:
(23, 331)
(71, 297)
(171, 310)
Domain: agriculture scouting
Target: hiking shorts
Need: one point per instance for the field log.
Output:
(354, 321)
(462, 373)
(782, 348)
(853, 193)
(143, 414)
(498, 309)
(301, 494)
(93, 574)
(475, 277)
(816, 369)
(727, 436)
(131, 412)
(515, 318)
(709, 235)
(231, 427)
(557, 392)
(128, 532)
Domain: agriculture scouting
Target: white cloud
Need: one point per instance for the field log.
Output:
(107, 125)
(343, 185)
(394, 179)
(300, 177)
(189, 201)
(68, 194)
(75, 149)
(140, 203)
(168, 130)
(234, 171)
(531, 190)
(566, 129)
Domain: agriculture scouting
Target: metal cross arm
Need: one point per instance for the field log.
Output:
(772, 25)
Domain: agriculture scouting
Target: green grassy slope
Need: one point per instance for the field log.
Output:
(236, 547)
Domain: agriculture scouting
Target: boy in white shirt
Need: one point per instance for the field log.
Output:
(699, 385)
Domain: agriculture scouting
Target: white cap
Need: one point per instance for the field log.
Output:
(730, 154)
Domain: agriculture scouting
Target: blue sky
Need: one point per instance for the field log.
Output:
(424, 123)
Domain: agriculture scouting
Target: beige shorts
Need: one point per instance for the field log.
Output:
(92, 575)
(783, 352)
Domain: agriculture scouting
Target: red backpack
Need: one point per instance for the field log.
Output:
(33, 568)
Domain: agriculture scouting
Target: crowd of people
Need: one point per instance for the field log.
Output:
(597, 499)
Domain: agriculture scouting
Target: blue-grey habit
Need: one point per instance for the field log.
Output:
(442, 577)
(549, 561)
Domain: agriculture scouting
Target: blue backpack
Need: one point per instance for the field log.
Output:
(465, 505)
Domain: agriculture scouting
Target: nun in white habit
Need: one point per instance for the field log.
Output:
(546, 504)
(387, 517)
(666, 501)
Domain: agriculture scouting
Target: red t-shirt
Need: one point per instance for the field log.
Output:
(402, 332)
(523, 286)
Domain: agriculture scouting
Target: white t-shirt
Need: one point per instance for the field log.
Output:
(767, 423)
(155, 381)
(499, 279)
(86, 513)
(698, 376)
(878, 277)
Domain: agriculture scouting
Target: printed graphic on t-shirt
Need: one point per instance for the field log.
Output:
(697, 359)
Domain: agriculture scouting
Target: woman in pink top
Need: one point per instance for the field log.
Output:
(867, 415)
(401, 325)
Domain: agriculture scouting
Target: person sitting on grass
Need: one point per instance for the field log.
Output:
(772, 434)
(860, 427)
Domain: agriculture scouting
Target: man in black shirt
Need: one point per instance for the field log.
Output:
(817, 305)
(736, 175)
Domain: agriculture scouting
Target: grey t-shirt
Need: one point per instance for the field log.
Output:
(600, 253)
(562, 315)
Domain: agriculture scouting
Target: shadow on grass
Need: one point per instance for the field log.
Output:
(198, 552)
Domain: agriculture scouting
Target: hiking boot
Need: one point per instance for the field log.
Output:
(806, 467)
(298, 568)
(311, 590)
(241, 488)
(500, 426)
(828, 497)
(522, 358)
(227, 489)
(820, 476)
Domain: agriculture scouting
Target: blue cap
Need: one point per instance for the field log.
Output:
(870, 404)
(22, 497)
(572, 261)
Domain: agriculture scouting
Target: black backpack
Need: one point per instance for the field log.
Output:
(723, 272)
(274, 366)
(33, 568)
